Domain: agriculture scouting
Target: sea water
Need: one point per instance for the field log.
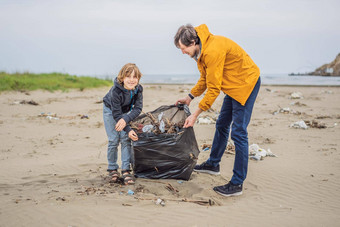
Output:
(267, 79)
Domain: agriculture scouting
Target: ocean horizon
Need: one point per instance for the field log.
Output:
(266, 79)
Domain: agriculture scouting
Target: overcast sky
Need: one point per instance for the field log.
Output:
(98, 37)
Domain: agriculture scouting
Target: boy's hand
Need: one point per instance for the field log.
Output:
(120, 125)
(133, 135)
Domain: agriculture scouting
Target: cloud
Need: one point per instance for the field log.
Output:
(97, 37)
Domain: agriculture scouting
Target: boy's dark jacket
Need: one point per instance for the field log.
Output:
(124, 103)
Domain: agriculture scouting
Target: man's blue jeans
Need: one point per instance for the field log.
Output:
(233, 112)
(114, 139)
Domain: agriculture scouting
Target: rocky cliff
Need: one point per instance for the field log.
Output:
(331, 69)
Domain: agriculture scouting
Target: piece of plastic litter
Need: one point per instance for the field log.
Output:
(299, 124)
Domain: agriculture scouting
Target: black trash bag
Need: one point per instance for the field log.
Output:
(171, 154)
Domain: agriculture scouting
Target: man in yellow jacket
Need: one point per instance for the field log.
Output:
(226, 67)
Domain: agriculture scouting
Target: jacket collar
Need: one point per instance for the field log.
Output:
(121, 87)
(204, 34)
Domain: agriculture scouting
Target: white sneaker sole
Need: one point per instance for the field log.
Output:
(207, 171)
(229, 195)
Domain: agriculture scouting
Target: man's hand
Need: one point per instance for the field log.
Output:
(190, 121)
(185, 100)
(133, 135)
(120, 125)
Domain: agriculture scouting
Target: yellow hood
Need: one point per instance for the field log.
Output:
(225, 66)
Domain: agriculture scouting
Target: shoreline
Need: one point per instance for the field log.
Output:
(162, 84)
(276, 85)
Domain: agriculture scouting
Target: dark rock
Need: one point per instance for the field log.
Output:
(331, 69)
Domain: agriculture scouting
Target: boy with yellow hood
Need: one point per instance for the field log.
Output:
(224, 66)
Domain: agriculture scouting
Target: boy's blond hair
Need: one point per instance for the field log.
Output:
(127, 70)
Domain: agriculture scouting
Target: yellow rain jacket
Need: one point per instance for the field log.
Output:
(225, 66)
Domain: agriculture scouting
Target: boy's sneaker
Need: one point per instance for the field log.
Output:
(229, 189)
(205, 168)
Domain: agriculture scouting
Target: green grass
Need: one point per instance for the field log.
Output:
(48, 81)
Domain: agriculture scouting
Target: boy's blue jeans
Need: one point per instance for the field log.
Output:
(233, 112)
(114, 139)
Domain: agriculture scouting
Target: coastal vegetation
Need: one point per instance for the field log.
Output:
(48, 81)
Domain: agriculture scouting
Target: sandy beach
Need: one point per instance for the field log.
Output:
(53, 164)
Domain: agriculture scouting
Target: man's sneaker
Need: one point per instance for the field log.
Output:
(205, 168)
(229, 189)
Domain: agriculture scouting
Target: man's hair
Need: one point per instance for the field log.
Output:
(187, 35)
(127, 70)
